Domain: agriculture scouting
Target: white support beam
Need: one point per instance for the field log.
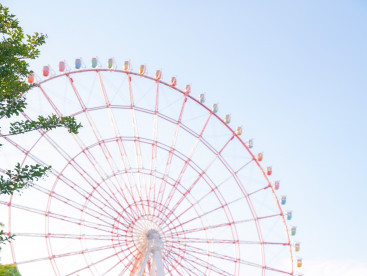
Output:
(154, 246)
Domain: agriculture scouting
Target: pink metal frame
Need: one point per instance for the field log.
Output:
(106, 195)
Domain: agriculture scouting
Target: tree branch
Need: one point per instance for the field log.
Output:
(45, 123)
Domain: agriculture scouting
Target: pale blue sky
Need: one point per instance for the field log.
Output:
(293, 73)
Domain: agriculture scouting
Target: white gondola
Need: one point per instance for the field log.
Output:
(276, 185)
(173, 81)
(260, 156)
(158, 74)
(269, 170)
(227, 118)
(299, 262)
(293, 230)
(250, 143)
(239, 130)
(202, 98)
(31, 78)
(187, 89)
(78, 63)
(289, 215)
(46, 71)
(110, 63)
(94, 62)
(283, 200)
(62, 66)
(297, 246)
(126, 66)
(142, 69)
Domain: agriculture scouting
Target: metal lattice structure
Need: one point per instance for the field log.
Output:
(155, 183)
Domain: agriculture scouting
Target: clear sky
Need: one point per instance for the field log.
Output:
(293, 73)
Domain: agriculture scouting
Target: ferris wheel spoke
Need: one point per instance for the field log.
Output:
(225, 224)
(214, 226)
(85, 194)
(94, 263)
(69, 183)
(85, 150)
(205, 265)
(66, 236)
(77, 206)
(153, 161)
(64, 255)
(131, 262)
(186, 265)
(91, 198)
(170, 264)
(190, 271)
(138, 151)
(221, 257)
(60, 217)
(219, 241)
(225, 180)
(111, 193)
(112, 267)
(162, 186)
(135, 263)
(216, 188)
(220, 207)
(115, 265)
(144, 172)
(101, 187)
(259, 190)
(208, 266)
(202, 173)
(102, 146)
(104, 206)
(182, 172)
(224, 257)
(121, 147)
(169, 267)
(70, 160)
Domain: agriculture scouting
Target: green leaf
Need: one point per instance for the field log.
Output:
(45, 123)
(16, 48)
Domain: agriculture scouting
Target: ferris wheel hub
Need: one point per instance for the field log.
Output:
(146, 230)
(154, 238)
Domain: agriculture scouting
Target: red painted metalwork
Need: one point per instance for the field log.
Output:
(109, 199)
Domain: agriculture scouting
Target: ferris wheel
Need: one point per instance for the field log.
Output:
(155, 183)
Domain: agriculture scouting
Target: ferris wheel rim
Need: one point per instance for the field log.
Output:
(192, 98)
(183, 93)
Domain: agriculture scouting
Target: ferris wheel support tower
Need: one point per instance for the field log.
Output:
(154, 245)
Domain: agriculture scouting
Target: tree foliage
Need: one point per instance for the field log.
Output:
(45, 123)
(16, 49)
(9, 270)
(20, 177)
(3, 237)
